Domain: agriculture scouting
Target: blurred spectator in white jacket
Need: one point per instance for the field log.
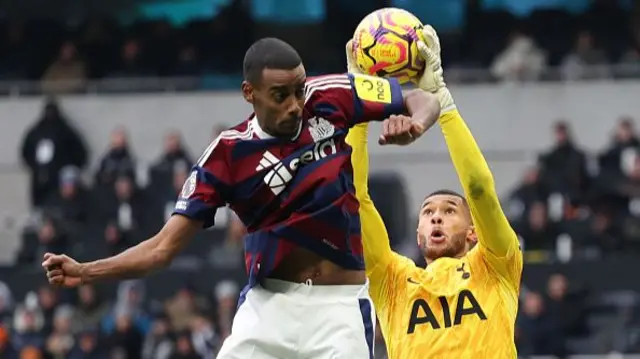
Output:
(521, 60)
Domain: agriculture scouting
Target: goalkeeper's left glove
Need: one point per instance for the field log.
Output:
(432, 80)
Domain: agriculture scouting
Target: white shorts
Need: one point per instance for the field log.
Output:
(284, 320)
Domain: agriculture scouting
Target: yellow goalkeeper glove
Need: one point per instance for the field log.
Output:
(432, 80)
(351, 62)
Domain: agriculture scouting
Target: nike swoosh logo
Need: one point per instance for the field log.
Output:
(410, 280)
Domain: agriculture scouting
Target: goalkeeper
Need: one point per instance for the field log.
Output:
(464, 304)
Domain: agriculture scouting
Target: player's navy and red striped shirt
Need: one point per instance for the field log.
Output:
(293, 192)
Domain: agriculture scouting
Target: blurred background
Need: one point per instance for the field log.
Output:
(105, 104)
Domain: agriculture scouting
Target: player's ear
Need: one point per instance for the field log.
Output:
(472, 237)
(247, 91)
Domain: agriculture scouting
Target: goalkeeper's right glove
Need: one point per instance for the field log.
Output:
(351, 62)
(432, 80)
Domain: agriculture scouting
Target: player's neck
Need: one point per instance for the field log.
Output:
(263, 133)
(458, 256)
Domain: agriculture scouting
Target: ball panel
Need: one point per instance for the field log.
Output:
(385, 44)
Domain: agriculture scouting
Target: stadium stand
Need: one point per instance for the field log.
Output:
(88, 93)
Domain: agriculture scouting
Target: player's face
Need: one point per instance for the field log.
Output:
(444, 227)
(278, 100)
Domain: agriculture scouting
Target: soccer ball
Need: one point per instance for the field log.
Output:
(385, 44)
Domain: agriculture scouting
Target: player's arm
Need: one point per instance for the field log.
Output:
(493, 229)
(498, 242)
(377, 251)
(381, 263)
(149, 256)
(195, 209)
(361, 98)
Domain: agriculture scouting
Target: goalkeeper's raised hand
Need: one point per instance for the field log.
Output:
(351, 62)
(432, 80)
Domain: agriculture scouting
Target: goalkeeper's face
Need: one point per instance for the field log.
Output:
(278, 100)
(444, 227)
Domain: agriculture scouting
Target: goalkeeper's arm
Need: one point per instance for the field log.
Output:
(375, 240)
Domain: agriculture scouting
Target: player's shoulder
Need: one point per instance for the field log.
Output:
(219, 147)
(327, 78)
(324, 84)
(242, 131)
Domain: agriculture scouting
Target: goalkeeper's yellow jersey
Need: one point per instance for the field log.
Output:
(456, 307)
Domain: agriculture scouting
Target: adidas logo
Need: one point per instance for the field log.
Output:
(268, 160)
(280, 175)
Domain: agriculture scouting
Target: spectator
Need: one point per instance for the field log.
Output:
(67, 73)
(118, 160)
(521, 60)
(537, 233)
(17, 54)
(130, 303)
(630, 60)
(586, 60)
(174, 158)
(48, 301)
(28, 324)
(158, 343)
(567, 308)
(188, 62)
(228, 253)
(540, 334)
(184, 348)
(126, 209)
(48, 146)
(70, 202)
(125, 337)
(204, 339)
(90, 310)
(61, 340)
(604, 234)
(531, 190)
(98, 46)
(87, 347)
(226, 293)
(48, 238)
(6, 304)
(131, 63)
(184, 307)
(627, 190)
(117, 240)
(168, 198)
(564, 167)
(625, 146)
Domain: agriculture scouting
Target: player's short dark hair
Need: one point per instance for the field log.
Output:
(448, 192)
(268, 53)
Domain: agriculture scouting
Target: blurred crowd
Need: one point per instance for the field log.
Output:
(578, 203)
(64, 57)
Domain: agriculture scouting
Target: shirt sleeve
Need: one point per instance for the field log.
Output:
(384, 267)
(498, 244)
(354, 98)
(204, 190)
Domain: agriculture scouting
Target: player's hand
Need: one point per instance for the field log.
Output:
(62, 271)
(400, 130)
(432, 80)
(351, 63)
